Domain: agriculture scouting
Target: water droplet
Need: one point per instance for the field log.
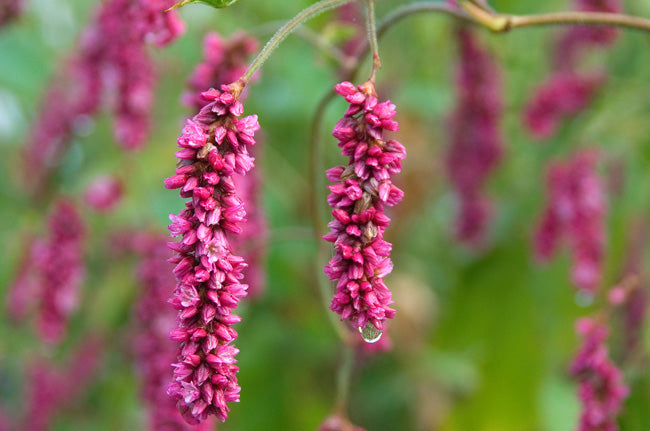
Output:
(584, 298)
(370, 334)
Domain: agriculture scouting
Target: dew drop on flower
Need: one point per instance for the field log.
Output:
(370, 334)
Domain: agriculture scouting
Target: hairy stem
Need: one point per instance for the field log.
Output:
(372, 37)
(279, 36)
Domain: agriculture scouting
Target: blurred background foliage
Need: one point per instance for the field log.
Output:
(482, 338)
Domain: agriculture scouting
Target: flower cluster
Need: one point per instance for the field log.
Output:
(577, 38)
(214, 146)
(568, 91)
(50, 388)
(224, 61)
(112, 60)
(115, 46)
(362, 189)
(51, 273)
(561, 95)
(602, 389)
(476, 142)
(576, 209)
(154, 351)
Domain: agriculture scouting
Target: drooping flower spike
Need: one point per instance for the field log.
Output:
(576, 210)
(214, 147)
(224, 61)
(361, 190)
(476, 142)
(601, 386)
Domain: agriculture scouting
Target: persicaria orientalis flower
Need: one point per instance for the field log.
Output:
(568, 90)
(576, 210)
(51, 273)
(361, 191)
(476, 142)
(213, 148)
(601, 389)
(224, 61)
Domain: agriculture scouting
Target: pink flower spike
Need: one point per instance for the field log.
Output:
(358, 200)
(207, 272)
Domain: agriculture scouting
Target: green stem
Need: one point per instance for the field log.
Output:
(372, 38)
(279, 36)
(308, 35)
(316, 177)
(501, 23)
(586, 18)
(344, 379)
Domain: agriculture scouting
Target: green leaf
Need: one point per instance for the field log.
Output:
(213, 3)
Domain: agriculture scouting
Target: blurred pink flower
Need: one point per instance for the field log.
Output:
(103, 193)
(575, 209)
(476, 142)
(602, 389)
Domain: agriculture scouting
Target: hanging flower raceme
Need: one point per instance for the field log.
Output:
(362, 189)
(568, 91)
(562, 95)
(602, 389)
(576, 210)
(60, 264)
(574, 40)
(154, 351)
(214, 147)
(50, 274)
(111, 59)
(51, 388)
(476, 142)
(224, 61)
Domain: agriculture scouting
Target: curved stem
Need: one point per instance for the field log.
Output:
(279, 36)
(587, 18)
(308, 35)
(501, 23)
(372, 38)
(343, 379)
(316, 178)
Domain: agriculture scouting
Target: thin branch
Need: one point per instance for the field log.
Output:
(502, 23)
(372, 37)
(279, 36)
(584, 18)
